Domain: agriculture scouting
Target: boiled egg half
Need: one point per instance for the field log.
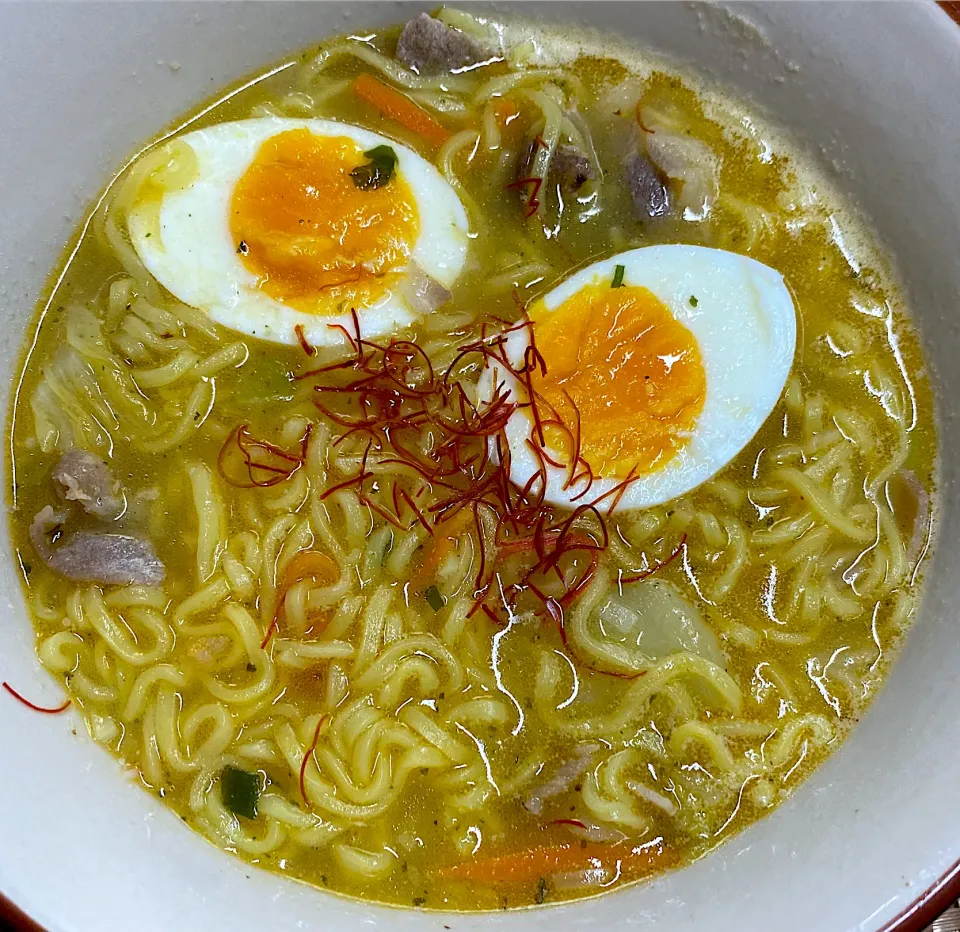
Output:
(269, 224)
(660, 365)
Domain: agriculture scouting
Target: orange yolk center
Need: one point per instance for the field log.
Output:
(632, 371)
(310, 235)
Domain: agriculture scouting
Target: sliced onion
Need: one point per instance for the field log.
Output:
(591, 831)
(424, 293)
(652, 797)
(566, 775)
(591, 877)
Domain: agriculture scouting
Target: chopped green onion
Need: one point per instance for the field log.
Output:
(693, 300)
(378, 171)
(618, 276)
(240, 791)
(541, 893)
(433, 597)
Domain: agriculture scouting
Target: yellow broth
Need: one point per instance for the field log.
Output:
(390, 812)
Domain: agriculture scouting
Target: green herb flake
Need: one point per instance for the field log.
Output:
(693, 300)
(541, 893)
(618, 276)
(387, 549)
(378, 171)
(240, 791)
(434, 599)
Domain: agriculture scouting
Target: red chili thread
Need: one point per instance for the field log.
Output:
(656, 569)
(280, 467)
(306, 757)
(302, 340)
(576, 823)
(32, 705)
(422, 419)
(346, 333)
(274, 625)
(533, 202)
(639, 119)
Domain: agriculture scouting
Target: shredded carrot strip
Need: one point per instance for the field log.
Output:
(505, 111)
(448, 533)
(530, 864)
(399, 107)
(308, 564)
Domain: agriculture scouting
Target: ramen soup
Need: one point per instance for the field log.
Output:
(465, 469)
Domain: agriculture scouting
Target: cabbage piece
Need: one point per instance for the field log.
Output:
(655, 617)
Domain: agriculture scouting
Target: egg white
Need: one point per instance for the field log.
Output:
(744, 323)
(195, 256)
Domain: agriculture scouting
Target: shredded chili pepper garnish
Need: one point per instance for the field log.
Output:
(273, 627)
(246, 462)
(417, 429)
(638, 577)
(307, 564)
(304, 343)
(533, 200)
(32, 705)
(639, 118)
(576, 823)
(310, 751)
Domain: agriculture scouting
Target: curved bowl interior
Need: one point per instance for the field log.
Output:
(868, 91)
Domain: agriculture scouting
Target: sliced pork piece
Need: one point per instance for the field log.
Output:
(84, 478)
(94, 556)
(570, 168)
(647, 188)
(428, 46)
(563, 778)
(691, 164)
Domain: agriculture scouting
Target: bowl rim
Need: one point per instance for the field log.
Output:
(915, 917)
(923, 911)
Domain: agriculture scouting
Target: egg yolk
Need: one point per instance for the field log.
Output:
(621, 362)
(313, 238)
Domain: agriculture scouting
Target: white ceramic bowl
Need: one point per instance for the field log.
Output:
(872, 89)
